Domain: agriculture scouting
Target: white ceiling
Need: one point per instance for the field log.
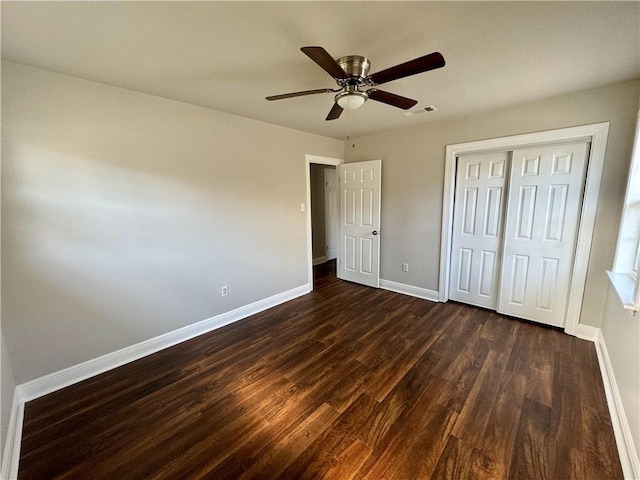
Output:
(229, 55)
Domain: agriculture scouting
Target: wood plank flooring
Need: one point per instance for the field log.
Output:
(345, 383)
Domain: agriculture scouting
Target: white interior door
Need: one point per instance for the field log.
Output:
(544, 204)
(331, 206)
(359, 226)
(476, 248)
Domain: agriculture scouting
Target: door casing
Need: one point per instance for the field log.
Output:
(597, 135)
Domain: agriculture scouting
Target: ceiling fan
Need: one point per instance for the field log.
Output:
(351, 73)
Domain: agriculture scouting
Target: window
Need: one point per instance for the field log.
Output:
(625, 277)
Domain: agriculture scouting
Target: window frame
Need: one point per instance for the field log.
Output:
(624, 275)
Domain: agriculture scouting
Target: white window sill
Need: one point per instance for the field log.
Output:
(624, 286)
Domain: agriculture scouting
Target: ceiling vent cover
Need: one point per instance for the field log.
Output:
(420, 111)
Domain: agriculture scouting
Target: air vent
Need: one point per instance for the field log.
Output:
(420, 111)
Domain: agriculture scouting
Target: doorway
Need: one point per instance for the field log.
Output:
(316, 161)
(324, 213)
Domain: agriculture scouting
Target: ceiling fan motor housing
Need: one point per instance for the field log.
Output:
(356, 67)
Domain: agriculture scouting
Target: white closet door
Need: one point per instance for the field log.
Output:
(476, 248)
(544, 204)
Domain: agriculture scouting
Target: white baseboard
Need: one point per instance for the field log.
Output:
(69, 376)
(319, 260)
(11, 455)
(585, 332)
(626, 449)
(63, 378)
(419, 292)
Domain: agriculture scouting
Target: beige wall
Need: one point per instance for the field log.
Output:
(413, 176)
(123, 214)
(621, 333)
(319, 240)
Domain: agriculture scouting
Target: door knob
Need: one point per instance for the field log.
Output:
(375, 232)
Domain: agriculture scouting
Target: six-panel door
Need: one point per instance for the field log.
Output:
(476, 248)
(516, 217)
(359, 239)
(541, 226)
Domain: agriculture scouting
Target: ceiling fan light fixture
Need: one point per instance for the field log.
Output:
(351, 100)
(352, 73)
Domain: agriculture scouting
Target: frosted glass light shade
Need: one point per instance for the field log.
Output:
(351, 101)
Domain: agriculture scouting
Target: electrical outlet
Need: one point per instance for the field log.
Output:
(224, 291)
(405, 267)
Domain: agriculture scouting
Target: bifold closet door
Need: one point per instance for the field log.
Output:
(476, 247)
(541, 225)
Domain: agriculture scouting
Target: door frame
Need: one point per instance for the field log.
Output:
(596, 134)
(308, 160)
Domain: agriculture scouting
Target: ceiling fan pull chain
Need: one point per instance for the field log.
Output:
(353, 126)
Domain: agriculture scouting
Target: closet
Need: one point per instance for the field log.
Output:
(515, 225)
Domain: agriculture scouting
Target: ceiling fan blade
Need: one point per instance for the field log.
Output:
(391, 99)
(299, 94)
(412, 67)
(326, 61)
(335, 112)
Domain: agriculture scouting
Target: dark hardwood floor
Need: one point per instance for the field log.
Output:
(346, 382)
